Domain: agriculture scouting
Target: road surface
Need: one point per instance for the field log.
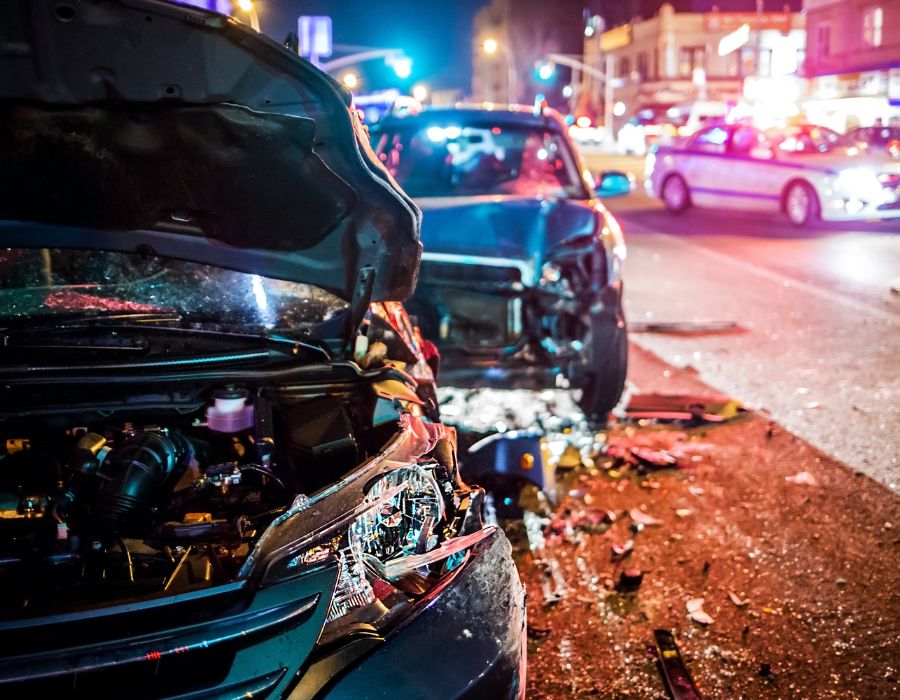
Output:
(818, 311)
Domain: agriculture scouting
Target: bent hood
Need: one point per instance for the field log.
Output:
(143, 126)
(509, 227)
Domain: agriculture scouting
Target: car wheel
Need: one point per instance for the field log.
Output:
(604, 378)
(801, 204)
(675, 194)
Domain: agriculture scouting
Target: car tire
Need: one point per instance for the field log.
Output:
(604, 378)
(675, 194)
(801, 204)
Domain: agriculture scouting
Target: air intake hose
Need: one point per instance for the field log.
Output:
(132, 478)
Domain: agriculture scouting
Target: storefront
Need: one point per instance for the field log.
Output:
(849, 100)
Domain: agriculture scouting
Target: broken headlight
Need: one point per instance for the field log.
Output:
(404, 510)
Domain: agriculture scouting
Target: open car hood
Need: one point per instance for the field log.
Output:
(144, 126)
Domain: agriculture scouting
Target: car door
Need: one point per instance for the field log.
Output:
(755, 178)
(705, 166)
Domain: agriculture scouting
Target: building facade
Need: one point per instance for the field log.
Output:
(679, 58)
(853, 62)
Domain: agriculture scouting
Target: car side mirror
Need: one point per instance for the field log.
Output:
(613, 183)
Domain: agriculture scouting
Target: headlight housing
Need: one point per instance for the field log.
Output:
(402, 539)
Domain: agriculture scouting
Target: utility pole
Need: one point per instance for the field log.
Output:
(759, 12)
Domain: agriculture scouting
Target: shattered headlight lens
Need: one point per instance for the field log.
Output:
(409, 507)
(405, 509)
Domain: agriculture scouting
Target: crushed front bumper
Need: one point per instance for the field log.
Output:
(468, 642)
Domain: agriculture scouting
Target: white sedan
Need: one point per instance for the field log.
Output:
(807, 172)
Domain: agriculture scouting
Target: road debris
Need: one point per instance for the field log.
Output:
(803, 478)
(535, 632)
(692, 409)
(629, 580)
(683, 327)
(675, 674)
(620, 551)
(642, 518)
(737, 600)
(697, 613)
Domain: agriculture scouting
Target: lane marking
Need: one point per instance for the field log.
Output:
(781, 278)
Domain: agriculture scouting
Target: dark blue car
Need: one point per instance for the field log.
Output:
(520, 279)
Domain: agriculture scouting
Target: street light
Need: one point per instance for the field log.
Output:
(350, 81)
(248, 7)
(420, 93)
(491, 46)
(402, 67)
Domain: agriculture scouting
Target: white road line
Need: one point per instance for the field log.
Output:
(780, 278)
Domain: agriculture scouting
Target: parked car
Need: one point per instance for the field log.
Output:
(521, 275)
(648, 126)
(878, 138)
(222, 469)
(806, 171)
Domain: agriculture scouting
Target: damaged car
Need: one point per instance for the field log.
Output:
(521, 277)
(222, 469)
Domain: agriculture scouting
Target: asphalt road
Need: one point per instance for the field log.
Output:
(817, 347)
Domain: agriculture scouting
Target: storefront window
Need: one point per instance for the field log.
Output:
(873, 22)
(689, 58)
(823, 40)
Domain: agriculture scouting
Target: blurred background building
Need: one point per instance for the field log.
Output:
(853, 62)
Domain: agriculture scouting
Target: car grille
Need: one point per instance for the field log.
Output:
(439, 272)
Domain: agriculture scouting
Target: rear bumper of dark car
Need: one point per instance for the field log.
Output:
(469, 642)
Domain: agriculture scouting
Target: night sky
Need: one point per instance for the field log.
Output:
(436, 35)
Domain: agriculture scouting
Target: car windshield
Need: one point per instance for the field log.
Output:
(808, 140)
(448, 160)
(48, 283)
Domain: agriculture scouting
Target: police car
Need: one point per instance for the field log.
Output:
(806, 172)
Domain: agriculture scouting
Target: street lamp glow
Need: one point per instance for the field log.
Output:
(420, 93)
(490, 46)
(245, 5)
(350, 80)
(403, 67)
(546, 70)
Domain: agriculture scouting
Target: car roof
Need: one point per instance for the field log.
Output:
(480, 113)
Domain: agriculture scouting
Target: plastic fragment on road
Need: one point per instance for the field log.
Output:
(642, 518)
(697, 613)
(621, 550)
(675, 674)
(654, 459)
(803, 478)
(737, 600)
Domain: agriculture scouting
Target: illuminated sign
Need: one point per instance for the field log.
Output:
(615, 38)
(735, 40)
(314, 33)
(729, 21)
